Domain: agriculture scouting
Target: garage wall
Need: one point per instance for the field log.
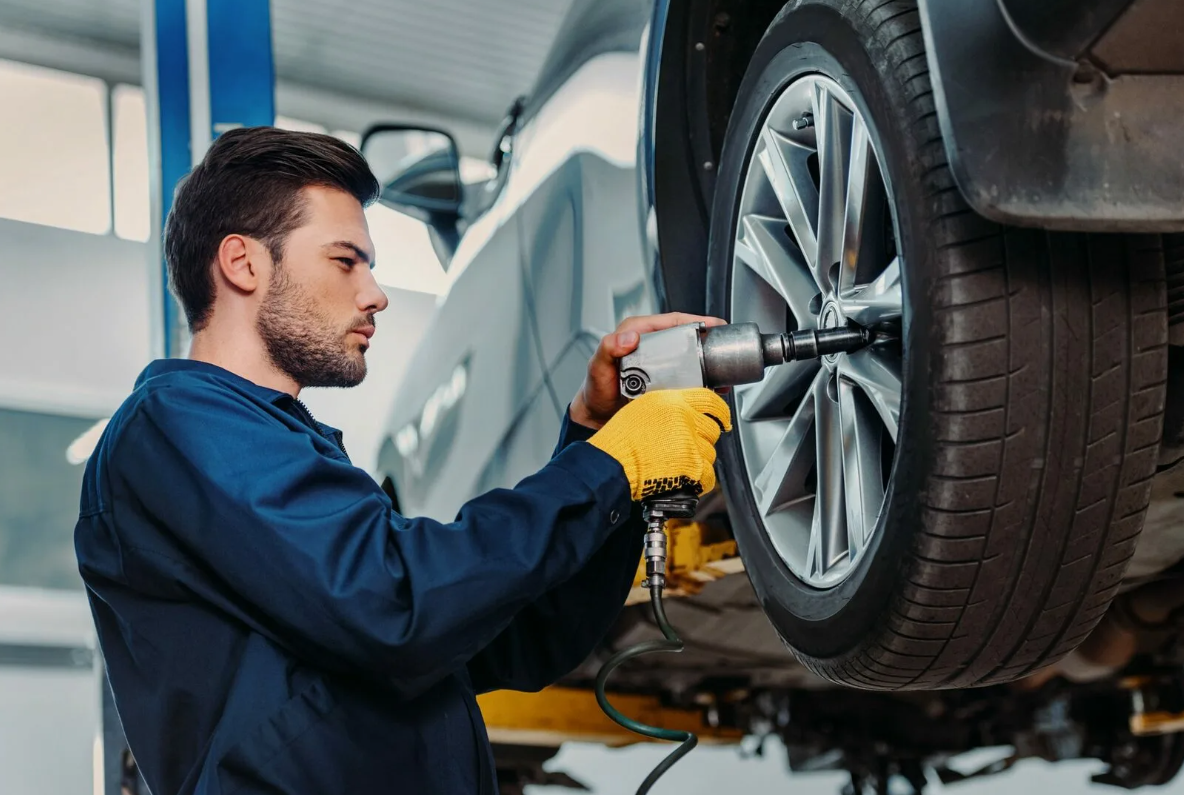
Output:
(74, 317)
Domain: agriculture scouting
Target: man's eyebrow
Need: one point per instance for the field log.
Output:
(354, 247)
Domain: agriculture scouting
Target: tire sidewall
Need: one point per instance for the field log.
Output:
(825, 624)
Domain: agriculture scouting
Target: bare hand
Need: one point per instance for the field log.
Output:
(600, 397)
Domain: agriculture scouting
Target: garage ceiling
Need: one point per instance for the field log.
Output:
(464, 58)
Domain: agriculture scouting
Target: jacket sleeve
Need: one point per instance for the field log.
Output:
(552, 635)
(307, 550)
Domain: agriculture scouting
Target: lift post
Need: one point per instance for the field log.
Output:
(207, 67)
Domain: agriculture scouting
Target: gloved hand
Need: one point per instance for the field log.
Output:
(665, 440)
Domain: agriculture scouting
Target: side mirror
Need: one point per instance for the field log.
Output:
(418, 169)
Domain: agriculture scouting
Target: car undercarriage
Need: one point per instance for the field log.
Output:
(1118, 698)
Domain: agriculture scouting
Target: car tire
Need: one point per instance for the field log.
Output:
(1032, 371)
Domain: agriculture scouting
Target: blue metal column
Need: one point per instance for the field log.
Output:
(207, 67)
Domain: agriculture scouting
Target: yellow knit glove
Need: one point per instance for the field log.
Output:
(666, 439)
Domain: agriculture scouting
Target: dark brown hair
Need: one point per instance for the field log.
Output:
(249, 183)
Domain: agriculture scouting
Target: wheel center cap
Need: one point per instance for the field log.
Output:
(831, 317)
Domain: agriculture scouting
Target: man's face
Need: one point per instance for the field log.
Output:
(318, 314)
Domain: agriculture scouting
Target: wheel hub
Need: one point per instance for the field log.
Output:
(831, 316)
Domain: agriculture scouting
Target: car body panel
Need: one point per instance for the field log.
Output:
(533, 285)
(475, 373)
(583, 281)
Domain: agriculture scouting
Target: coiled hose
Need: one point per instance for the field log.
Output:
(669, 643)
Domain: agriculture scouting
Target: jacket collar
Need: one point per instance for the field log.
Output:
(163, 366)
(267, 394)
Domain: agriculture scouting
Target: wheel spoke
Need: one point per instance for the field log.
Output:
(814, 565)
(863, 488)
(830, 522)
(766, 249)
(781, 387)
(833, 129)
(782, 480)
(858, 179)
(786, 165)
(877, 301)
(878, 375)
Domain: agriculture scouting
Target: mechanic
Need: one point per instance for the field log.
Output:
(268, 622)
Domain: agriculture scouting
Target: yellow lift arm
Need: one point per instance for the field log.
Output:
(557, 714)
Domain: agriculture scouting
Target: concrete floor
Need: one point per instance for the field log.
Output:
(720, 771)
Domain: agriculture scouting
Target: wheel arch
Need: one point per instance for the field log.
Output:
(694, 73)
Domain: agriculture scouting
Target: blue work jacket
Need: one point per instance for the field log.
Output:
(271, 625)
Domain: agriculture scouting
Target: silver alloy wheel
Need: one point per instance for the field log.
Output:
(814, 248)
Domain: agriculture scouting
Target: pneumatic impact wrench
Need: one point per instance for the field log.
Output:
(687, 357)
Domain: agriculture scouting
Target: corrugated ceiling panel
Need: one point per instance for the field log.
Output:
(114, 21)
(462, 58)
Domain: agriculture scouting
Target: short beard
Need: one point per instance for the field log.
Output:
(301, 342)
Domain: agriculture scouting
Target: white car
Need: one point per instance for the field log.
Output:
(941, 517)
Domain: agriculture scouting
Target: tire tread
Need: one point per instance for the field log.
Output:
(1011, 597)
(1043, 377)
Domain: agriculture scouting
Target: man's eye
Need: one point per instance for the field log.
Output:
(347, 261)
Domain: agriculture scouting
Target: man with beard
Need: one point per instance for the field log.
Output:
(269, 623)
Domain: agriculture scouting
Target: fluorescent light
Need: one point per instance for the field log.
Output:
(99, 774)
(81, 448)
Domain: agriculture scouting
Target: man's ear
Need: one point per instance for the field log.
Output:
(240, 261)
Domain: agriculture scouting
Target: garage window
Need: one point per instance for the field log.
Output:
(54, 161)
(39, 499)
(133, 212)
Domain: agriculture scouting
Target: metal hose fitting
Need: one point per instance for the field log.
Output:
(655, 554)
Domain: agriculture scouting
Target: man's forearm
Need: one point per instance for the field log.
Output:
(554, 634)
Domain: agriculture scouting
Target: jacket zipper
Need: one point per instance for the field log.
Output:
(316, 426)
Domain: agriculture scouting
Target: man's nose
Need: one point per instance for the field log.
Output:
(372, 298)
